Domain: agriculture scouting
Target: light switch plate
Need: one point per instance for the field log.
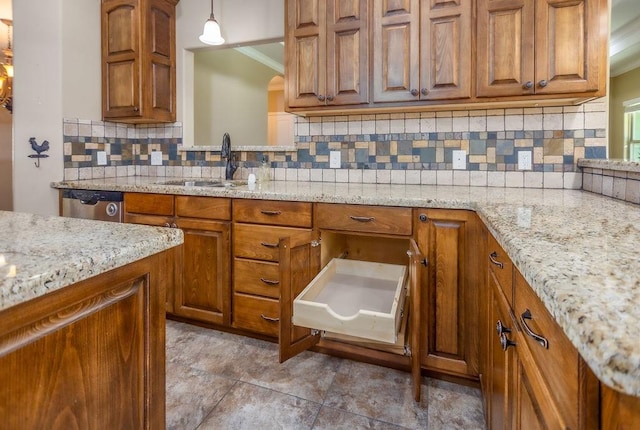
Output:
(102, 158)
(156, 158)
(459, 159)
(524, 160)
(334, 159)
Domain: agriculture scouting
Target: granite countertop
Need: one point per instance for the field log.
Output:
(578, 251)
(40, 254)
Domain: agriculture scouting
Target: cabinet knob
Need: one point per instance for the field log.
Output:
(135, 109)
(320, 97)
(543, 83)
(414, 92)
(500, 328)
(166, 224)
(528, 85)
(174, 225)
(423, 217)
(424, 91)
(329, 98)
(505, 342)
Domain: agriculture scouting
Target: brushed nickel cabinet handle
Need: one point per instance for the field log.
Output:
(492, 258)
(270, 319)
(269, 245)
(269, 281)
(266, 212)
(362, 218)
(540, 339)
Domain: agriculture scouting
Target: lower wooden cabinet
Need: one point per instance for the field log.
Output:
(202, 280)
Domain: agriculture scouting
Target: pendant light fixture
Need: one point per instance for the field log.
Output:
(211, 33)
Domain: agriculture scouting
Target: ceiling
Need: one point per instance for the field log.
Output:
(624, 46)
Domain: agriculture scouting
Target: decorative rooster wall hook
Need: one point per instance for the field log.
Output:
(39, 150)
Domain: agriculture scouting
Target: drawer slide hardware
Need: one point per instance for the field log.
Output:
(492, 258)
(362, 218)
(540, 339)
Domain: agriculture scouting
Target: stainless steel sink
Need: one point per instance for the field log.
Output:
(220, 183)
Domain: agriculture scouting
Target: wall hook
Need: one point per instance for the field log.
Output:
(39, 150)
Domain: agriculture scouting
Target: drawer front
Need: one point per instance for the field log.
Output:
(502, 267)
(259, 242)
(365, 219)
(294, 214)
(256, 277)
(203, 207)
(151, 204)
(257, 314)
(559, 362)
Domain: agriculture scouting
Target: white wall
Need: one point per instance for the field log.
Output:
(242, 21)
(57, 74)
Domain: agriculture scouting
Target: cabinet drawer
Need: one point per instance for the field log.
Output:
(203, 207)
(502, 267)
(559, 363)
(256, 277)
(257, 314)
(151, 204)
(365, 219)
(294, 214)
(259, 242)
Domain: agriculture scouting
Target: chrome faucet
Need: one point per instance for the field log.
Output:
(225, 152)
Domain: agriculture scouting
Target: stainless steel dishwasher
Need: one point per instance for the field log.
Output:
(92, 204)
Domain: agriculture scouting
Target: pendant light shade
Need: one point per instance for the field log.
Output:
(211, 34)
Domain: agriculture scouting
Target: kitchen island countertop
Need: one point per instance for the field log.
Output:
(39, 254)
(578, 251)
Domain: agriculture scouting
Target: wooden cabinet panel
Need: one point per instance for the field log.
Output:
(502, 267)
(365, 219)
(256, 314)
(445, 49)
(256, 277)
(396, 50)
(568, 50)
(138, 60)
(619, 411)
(505, 47)
(151, 204)
(293, 214)
(203, 207)
(203, 292)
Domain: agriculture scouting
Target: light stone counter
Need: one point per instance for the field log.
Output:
(579, 251)
(40, 254)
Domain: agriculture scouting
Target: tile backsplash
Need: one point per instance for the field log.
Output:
(384, 148)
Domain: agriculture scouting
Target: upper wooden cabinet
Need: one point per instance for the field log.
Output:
(138, 60)
(540, 47)
(327, 52)
(421, 50)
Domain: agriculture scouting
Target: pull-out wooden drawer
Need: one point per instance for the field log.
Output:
(203, 207)
(150, 204)
(259, 242)
(257, 314)
(364, 219)
(256, 277)
(293, 214)
(502, 268)
(559, 363)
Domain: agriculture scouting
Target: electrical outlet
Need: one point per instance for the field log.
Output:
(524, 160)
(334, 159)
(102, 158)
(156, 158)
(459, 159)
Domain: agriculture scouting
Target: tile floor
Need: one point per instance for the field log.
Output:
(218, 380)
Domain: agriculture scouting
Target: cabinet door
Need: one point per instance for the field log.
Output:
(203, 290)
(449, 299)
(416, 263)
(568, 39)
(347, 68)
(160, 80)
(445, 49)
(299, 264)
(306, 45)
(505, 47)
(121, 54)
(396, 51)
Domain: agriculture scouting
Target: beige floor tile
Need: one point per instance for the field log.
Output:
(453, 406)
(335, 419)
